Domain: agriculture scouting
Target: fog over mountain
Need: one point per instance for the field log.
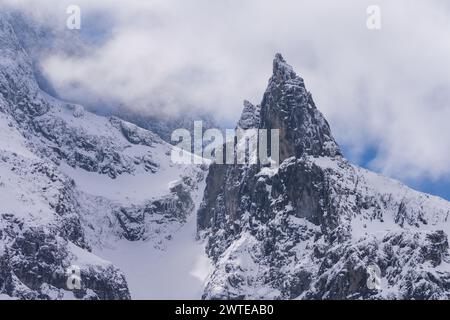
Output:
(89, 186)
(173, 57)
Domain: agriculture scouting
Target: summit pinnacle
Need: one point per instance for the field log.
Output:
(312, 227)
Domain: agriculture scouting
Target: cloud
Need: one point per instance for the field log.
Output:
(387, 89)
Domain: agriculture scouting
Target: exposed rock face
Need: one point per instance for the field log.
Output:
(36, 260)
(163, 126)
(309, 228)
(72, 182)
(41, 235)
(286, 106)
(289, 107)
(250, 117)
(137, 220)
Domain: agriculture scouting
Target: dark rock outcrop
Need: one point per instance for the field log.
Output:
(310, 228)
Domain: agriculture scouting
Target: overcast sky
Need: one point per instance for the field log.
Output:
(386, 93)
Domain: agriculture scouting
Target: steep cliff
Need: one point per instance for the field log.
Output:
(310, 228)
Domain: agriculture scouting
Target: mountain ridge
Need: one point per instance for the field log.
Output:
(310, 228)
(73, 183)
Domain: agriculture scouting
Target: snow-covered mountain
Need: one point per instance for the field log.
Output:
(102, 194)
(73, 183)
(310, 228)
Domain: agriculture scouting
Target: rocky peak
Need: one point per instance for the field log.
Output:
(312, 227)
(250, 117)
(289, 107)
(283, 72)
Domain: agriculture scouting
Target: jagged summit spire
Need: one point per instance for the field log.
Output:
(282, 71)
(288, 106)
(250, 117)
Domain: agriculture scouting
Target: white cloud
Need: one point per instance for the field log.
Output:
(389, 88)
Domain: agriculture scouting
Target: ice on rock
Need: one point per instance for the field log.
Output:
(73, 183)
(310, 229)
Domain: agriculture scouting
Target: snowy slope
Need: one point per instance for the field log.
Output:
(102, 194)
(40, 230)
(75, 185)
(177, 272)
